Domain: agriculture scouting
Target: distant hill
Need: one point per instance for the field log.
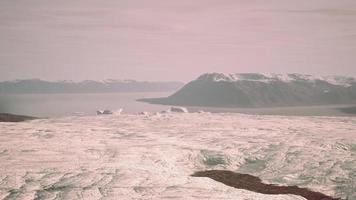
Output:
(88, 86)
(263, 90)
(7, 117)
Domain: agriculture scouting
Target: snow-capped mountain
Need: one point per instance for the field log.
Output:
(263, 90)
(334, 80)
(87, 86)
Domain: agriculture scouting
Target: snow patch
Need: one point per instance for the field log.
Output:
(270, 77)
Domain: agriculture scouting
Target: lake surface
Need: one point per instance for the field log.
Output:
(56, 105)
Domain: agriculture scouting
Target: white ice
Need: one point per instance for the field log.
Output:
(153, 156)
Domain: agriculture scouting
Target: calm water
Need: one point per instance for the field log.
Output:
(53, 105)
(56, 105)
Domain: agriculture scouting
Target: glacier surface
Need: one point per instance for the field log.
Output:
(153, 156)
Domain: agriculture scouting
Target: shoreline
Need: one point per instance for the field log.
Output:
(343, 110)
(7, 117)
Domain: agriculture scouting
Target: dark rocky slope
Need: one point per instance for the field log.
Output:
(252, 183)
(6, 117)
(257, 90)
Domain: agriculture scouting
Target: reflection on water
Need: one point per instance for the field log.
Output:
(52, 105)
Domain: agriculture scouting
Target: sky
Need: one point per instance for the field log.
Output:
(175, 40)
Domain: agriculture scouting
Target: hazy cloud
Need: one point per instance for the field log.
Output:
(174, 40)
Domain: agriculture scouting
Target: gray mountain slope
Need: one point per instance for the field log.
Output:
(40, 86)
(258, 90)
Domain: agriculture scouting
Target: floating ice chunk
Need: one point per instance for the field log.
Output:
(78, 113)
(143, 113)
(104, 112)
(165, 111)
(157, 114)
(202, 112)
(178, 109)
(175, 110)
(118, 112)
(107, 112)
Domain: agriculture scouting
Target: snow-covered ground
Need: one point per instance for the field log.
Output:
(152, 157)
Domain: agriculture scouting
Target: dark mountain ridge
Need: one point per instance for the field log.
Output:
(88, 86)
(260, 90)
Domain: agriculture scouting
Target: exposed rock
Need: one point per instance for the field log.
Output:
(7, 117)
(252, 183)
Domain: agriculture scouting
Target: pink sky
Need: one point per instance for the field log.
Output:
(174, 40)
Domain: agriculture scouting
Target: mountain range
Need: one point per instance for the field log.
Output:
(262, 90)
(88, 86)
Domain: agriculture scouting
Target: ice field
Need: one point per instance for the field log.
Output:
(153, 156)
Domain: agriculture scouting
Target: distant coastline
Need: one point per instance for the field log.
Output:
(348, 110)
(7, 117)
(251, 90)
(37, 86)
